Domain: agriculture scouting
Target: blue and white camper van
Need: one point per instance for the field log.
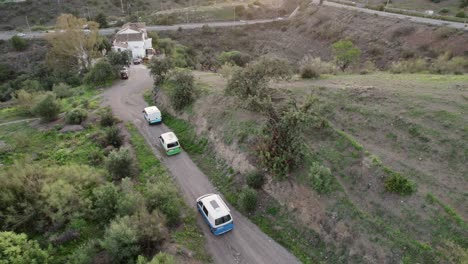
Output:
(152, 115)
(216, 213)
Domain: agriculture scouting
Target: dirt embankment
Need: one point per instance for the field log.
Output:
(382, 40)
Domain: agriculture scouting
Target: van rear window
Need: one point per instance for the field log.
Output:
(223, 220)
(172, 145)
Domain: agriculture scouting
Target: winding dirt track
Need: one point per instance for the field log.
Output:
(246, 243)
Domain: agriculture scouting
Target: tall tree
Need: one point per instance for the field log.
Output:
(74, 44)
(102, 20)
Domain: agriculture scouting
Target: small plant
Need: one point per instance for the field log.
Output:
(248, 199)
(47, 107)
(409, 66)
(320, 178)
(75, 116)
(120, 164)
(461, 14)
(107, 118)
(19, 43)
(255, 180)
(397, 183)
(309, 72)
(113, 137)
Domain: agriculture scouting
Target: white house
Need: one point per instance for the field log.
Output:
(133, 37)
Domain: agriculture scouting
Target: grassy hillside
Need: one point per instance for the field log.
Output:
(378, 127)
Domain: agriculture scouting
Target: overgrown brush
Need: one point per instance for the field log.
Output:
(320, 178)
(397, 183)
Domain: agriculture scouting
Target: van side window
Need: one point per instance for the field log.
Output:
(204, 210)
(162, 139)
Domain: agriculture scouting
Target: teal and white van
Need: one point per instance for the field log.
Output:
(170, 143)
(216, 213)
(152, 115)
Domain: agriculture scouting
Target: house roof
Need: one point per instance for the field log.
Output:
(129, 37)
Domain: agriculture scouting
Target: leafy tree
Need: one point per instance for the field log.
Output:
(130, 200)
(71, 47)
(184, 57)
(463, 3)
(166, 45)
(150, 227)
(253, 80)
(31, 85)
(345, 53)
(100, 74)
(281, 149)
(47, 107)
(101, 19)
(120, 164)
(119, 59)
(18, 43)
(183, 89)
(121, 240)
(163, 197)
(75, 116)
(62, 90)
(159, 69)
(16, 248)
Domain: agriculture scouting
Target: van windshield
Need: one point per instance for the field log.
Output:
(223, 220)
(173, 145)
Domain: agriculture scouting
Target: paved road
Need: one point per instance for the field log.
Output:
(110, 31)
(246, 243)
(422, 20)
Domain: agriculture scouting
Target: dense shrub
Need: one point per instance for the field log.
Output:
(31, 85)
(159, 68)
(16, 248)
(248, 199)
(445, 64)
(167, 46)
(309, 72)
(121, 240)
(18, 43)
(47, 107)
(255, 180)
(163, 197)
(130, 200)
(460, 14)
(162, 258)
(184, 57)
(24, 100)
(113, 137)
(6, 72)
(84, 254)
(101, 73)
(75, 116)
(107, 118)
(397, 183)
(183, 89)
(62, 90)
(104, 202)
(320, 178)
(119, 59)
(150, 227)
(227, 70)
(409, 66)
(234, 57)
(120, 164)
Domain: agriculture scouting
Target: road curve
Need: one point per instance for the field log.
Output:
(423, 20)
(109, 31)
(246, 243)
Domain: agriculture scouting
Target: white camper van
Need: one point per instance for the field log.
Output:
(152, 115)
(216, 213)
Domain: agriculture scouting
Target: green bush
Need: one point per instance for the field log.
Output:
(248, 199)
(163, 196)
(75, 116)
(183, 89)
(100, 74)
(397, 183)
(104, 202)
(107, 118)
(445, 64)
(113, 137)
(162, 258)
(120, 164)
(84, 254)
(18, 43)
(6, 72)
(255, 180)
(62, 90)
(130, 200)
(309, 72)
(121, 241)
(320, 178)
(47, 107)
(460, 14)
(184, 57)
(234, 57)
(150, 227)
(16, 248)
(160, 68)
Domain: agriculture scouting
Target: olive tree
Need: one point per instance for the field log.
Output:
(345, 53)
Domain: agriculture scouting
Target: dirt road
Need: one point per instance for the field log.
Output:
(246, 243)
